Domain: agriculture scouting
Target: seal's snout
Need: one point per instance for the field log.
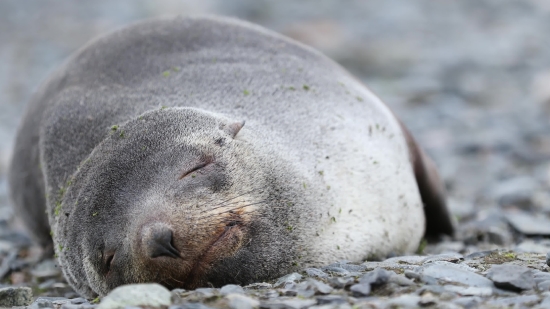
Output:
(157, 240)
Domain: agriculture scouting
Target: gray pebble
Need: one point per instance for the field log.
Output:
(77, 306)
(404, 301)
(145, 295)
(376, 277)
(15, 296)
(331, 299)
(548, 258)
(448, 257)
(190, 306)
(470, 290)
(512, 277)
(468, 302)
(400, 280)
(239, 301)
(360, 289)
(523, 300)
(341, 283)
(450, 272)
(231, 289)
(528, 224)
(315, 272)
(290, 278)
(319, 287)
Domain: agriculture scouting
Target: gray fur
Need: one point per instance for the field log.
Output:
(109, 134)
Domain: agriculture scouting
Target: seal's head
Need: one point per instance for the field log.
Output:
(174, 196)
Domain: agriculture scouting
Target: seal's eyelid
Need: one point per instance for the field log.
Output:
(194, 169)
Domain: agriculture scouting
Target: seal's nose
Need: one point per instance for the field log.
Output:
(157, 240)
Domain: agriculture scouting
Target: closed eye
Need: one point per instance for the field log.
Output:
(194, 169)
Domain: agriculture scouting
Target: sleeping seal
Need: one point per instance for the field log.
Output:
(138, 151)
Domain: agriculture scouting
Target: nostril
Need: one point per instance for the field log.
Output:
(108, 261)
(158, 241)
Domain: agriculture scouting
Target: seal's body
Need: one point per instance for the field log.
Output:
(137, 152)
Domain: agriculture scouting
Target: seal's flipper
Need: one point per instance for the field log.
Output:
(438, 219)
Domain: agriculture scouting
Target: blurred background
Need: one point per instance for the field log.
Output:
(470, 78)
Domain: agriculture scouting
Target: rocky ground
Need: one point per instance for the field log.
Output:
(470, 78)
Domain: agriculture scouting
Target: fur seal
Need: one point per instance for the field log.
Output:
(137, 151)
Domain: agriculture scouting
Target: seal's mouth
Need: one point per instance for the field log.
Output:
(224, 245)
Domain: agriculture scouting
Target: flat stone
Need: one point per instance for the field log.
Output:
(259, 286)
(404, 301)
(319, 287)
(290, 278)
(450, 272)
(15, 296)
(400, 280)
(512, 277)
(143, 295)
(239, 301)
(376, 277)
(231, 289)
(448, 257)
(340, 283)
(468, 302)
(315, 272)
(408, 259)
(360, 289)
(289, 303)
(46, 269)
(347, 266)
(470, 290)
(190, 306)
(330, 299)
(528, 224)
(523, 300)
(529, 246)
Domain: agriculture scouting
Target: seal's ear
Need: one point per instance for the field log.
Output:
(232, 128)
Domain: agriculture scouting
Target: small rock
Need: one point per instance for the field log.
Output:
(46, 269)
(319, 287)
(296, 303)
(315, 272)
(360, 289)
(523, 300)
(411, 260)
(400, 280)
(231, 289)
(15, 296)
(259, 286)
(405, 301)
(144, 295)
(376, 277)
(239, 301)
(41, 302)
(331, 299)
(449, 272)
(448, 257)
(341, 283)
(468, 302)
(512, 277)
(347, 266)
(548, 258)
(528, 224)
(469, 291)
(190, 306)
(290, 278)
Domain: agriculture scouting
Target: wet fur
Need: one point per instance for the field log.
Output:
(321, 168)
